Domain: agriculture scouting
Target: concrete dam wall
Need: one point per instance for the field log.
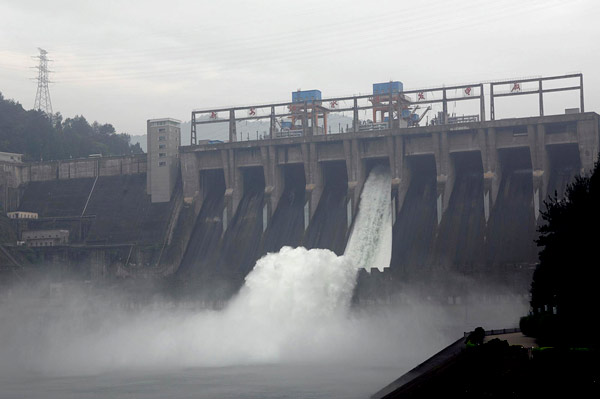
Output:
(466, 201)
(114, 228)
(14, 176)
(466, 198)
(116, 208)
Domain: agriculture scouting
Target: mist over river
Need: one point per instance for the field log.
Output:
(290, 332)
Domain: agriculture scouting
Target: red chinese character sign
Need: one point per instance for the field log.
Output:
(333, 104)
(468, 91)
(516, 87)
(252, 112)
(421, 96)
(213, 115)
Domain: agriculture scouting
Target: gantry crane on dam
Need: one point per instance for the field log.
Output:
(391, 106)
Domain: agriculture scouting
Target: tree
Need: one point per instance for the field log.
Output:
(38, 137)
(567, 277)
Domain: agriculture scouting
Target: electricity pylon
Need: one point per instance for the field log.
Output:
(42, 97)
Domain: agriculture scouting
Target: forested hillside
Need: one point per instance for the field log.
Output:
(33, 134)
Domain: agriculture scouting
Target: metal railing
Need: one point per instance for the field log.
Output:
(396, 101)
(497, 332)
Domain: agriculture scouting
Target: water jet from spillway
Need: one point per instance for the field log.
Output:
(370, 244)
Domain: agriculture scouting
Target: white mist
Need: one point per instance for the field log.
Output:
(293, 307)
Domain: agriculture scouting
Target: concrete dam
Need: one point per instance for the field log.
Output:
(466, 202)
(466, 198)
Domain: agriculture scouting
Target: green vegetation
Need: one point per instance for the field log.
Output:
(33, 134)
(565, 303)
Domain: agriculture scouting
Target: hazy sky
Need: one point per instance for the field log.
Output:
(123, 62)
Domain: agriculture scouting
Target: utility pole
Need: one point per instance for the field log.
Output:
(42, 97)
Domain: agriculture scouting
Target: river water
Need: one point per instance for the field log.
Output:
(256, 381)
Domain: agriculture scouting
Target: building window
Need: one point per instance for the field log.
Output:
(162, 163)
(162, 129)
(162, 146)
(162, 138)
(162, 154)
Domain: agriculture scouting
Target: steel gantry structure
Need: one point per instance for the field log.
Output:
(408, 98)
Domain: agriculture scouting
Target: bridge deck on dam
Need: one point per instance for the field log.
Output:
(508, 133)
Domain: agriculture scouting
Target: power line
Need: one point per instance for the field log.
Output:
(42, 97)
